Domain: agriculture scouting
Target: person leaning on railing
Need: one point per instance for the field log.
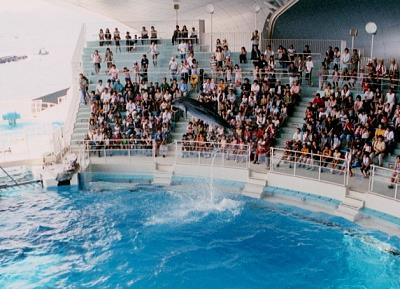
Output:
(144, 35)
(153, 35)
(117, 39)
(193, 36)
(108, 37)
(101, 37)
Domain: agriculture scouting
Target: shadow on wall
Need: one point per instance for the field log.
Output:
(326, 19)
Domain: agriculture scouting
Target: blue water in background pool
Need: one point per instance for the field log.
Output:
(139, 236)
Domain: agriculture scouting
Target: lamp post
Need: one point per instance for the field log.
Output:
(257, 9)
(176, 7)
(371, 28)
(353, 34)
(210, 9)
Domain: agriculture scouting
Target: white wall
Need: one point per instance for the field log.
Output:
(315, 187)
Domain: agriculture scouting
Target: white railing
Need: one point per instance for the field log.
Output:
(235, 40)
(73, 93)
(315, 45)
(212, 153)
(182, 152)
(164, 29)
(385, 182)
(122, 147)
(311, 166)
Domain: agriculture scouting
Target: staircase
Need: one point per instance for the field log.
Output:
(81, 128)
(163, 174)
(296, 120)
(350, 207)
(255, 184)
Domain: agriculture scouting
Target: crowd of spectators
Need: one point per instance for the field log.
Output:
(131, 115)
(255, 113)
(361, 127)
(106, 38)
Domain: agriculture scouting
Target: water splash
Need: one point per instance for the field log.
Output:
(192, 206)
(211, 177)
(191, 211)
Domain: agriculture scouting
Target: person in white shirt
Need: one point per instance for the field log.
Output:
(208, 86)
(346, 57)
(154, 53)
(389, 139)
(113, 72)
(105, 96)
(99, 87)
(173, 68)
(96, 59)
(391, 98)
(369, 95)
(363, 117)
(130, 106)
(269, 52)
(309, 68)
(182, 48)
(297, 136)
(255, 87)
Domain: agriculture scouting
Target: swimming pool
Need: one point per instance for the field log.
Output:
(144, 236)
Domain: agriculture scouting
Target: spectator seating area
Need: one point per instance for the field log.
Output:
(358, 120)
(344, 106)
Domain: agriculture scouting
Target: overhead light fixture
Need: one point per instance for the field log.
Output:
(210, 8)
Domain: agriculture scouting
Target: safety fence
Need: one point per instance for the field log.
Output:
(212, 154)
(308, 165)
(330, 169)
(181, 152)
(73, 96)
(121, 147)
(385, 181)
(315, 45)
(163, 29)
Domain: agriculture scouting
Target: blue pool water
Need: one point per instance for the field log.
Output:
(142, 236)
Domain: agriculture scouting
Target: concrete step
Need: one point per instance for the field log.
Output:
(164, 168)
(253, 190)
(348, 212)
(353, 202)
(78, 136)
(299, 114)
(256, 181)
(83, 129)
(81, 124)
(295, 119)
(162, 180)
(83, 107)
(294, 125)
(83, 113)
(258, 175)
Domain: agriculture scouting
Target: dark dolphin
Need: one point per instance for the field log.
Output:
(199, 110)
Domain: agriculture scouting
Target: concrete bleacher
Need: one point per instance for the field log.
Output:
(157, 74)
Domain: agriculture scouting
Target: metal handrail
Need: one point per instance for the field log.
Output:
(74, 92)
(387, 180)
(297, 159)
(8, 175)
